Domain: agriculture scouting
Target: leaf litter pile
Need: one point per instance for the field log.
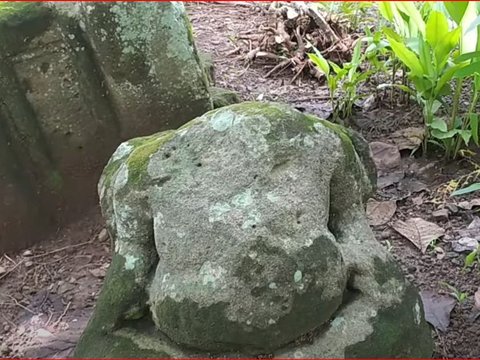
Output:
(289, 32)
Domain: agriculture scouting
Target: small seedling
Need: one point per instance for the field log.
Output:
(472, 258)
(457, 294)
(389, 246)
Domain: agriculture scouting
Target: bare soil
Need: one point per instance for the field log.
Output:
(47, 292)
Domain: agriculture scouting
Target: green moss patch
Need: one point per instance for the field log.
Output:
(20, 22)
(144, 147)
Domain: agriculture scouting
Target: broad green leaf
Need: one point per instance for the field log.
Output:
(416, 19)
(441, 135)
(469, 189)
(439, 6)
(474, 128)
(425, 56)
(422, 85)
(478, 34)
(390, 33)
(446, 77)
(467, 56)
(401, 21)
(320, 63)
(470, 258)
(412, 44)
(466, 135)
(470, 69)
(473, 25)
(437, 28)
(407, 57)
(458, 122)
(439, 124)
(335, 67)
(385, 9)
(476, 83)
(444, 48)
(332, 83)
(357, 53)
(456, 9)
(426, 8)
(436, 106)
(469, 38)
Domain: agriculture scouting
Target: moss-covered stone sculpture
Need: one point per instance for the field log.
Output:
(244, 233)
(77, 79)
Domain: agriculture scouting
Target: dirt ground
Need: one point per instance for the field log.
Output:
(47, 292)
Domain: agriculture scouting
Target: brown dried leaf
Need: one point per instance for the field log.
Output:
(437, 309)
(380, 212)
(418, 200)
(440, 252)
(469, 205)
(412, 186)
(386, 156)
(408, 139)
(99, 273)
(390, 178)
(476, 296)
(420, 232)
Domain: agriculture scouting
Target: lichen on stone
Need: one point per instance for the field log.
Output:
(256, 215)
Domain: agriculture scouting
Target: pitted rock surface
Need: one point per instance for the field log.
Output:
(243, 231)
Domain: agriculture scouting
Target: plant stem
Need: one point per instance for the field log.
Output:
(471, 109)
(428, 118)
(456, 100)
(451, 145)
(394, 70)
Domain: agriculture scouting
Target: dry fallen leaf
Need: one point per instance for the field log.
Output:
(385, 156)
(391, 178)
(469, 205)
(291, 13)
(437, 309)
(412, 186)
(380, 212)
(418, 200)
(408, 139)
(99, 273)
(472, 230)
(476, 296)
(440, 252)
(420, 232)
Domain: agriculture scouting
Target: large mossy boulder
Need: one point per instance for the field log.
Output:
(150, 63)
(75, 81)
(244, 233)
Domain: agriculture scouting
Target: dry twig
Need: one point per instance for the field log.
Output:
(55, 324)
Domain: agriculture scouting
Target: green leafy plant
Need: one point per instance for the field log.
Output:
(457, 294)
(349, 11)
(342, 81)
(471, 258)
(434, 55)
(466, 190)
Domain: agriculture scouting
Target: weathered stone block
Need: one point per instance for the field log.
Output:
(223, 97)
(76, 80)
(244, 233)
(150, 63)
